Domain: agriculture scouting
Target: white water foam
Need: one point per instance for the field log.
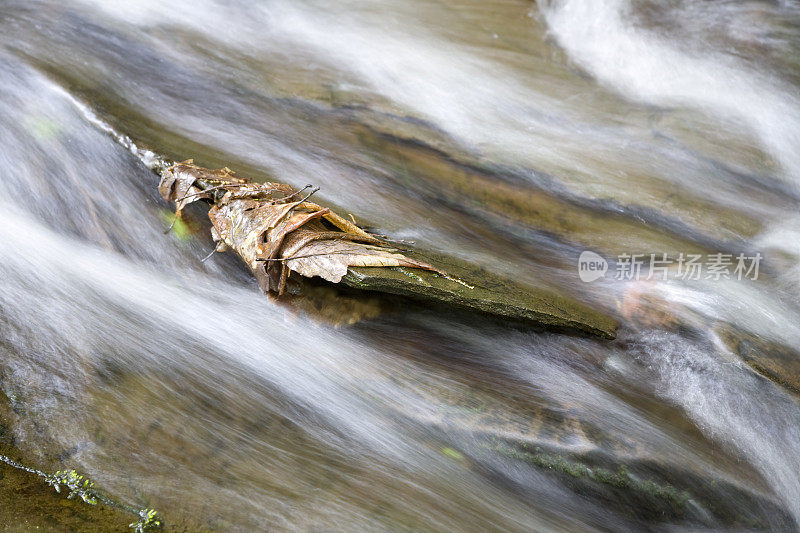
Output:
(645, 67)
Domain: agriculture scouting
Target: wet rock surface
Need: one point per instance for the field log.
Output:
(485, 293)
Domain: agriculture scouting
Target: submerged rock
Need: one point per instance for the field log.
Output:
(775, 361)
(487, 432)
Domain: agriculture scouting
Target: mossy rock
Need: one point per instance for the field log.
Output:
(486, 293)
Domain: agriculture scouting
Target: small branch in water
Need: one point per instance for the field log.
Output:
(79, 485)
(174, 220)
(203, 260)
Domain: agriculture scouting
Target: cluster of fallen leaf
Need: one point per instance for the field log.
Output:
(275, 229)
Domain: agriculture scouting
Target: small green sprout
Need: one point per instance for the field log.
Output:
(148, 520)
(77, 484)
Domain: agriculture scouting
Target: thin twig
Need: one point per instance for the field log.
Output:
(295, 193)
(203, 260)
(315, 189)
(206, 190)
(174, 220)
(178, 202)
(309, 255)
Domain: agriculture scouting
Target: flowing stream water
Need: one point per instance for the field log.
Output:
(510, 134)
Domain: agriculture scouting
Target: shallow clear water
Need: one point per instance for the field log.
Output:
(650, 126)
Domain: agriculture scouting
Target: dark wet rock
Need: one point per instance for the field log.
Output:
(648, 490)
(773, 360)
(485, 430)
(485, 293)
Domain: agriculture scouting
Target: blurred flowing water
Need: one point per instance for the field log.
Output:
(176, 384)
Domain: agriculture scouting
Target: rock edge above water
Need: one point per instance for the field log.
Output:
(488, 294)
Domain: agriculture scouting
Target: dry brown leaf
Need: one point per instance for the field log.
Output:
(329, 259)
(274, 231)
(241, 225)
